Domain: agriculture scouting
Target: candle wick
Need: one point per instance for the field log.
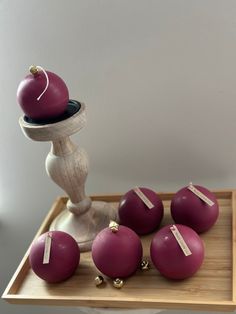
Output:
(47, 81)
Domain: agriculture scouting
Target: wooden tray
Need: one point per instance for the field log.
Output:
(212, 288)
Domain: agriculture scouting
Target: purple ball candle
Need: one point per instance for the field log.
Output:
(135, 214)
(168, 257)
(188, 209)
(117, 254)
(64, 257)
(38, 104)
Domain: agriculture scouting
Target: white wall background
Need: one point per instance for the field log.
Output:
(158, 78)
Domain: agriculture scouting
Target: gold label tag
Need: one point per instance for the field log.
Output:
(202, 196)
(180, 240)
(47, 248)
(143, 197)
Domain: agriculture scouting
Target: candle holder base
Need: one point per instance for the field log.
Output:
(84, 228)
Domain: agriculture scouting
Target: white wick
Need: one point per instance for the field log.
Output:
(47, 81)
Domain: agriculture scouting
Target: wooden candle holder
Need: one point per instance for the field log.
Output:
(67, 166)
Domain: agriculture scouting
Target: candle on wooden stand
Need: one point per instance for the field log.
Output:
(42, 94)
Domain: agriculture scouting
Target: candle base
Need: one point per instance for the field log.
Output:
(84, 228)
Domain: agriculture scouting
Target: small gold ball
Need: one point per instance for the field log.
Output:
(113, 226)
(98, 280)
(145, 265)
(118, 283)
(33, 69)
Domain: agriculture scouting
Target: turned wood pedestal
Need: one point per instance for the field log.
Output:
(67, 166)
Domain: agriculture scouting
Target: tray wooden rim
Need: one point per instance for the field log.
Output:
(10, 293)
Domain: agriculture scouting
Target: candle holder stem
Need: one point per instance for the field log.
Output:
(67, 166)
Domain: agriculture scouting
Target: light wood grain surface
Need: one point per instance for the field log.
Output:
(212, 288)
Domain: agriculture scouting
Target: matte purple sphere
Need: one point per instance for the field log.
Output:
(117, 255)
(134, 214)
(188, 209)
(64, 257)
(53, 102)
(168, 257)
